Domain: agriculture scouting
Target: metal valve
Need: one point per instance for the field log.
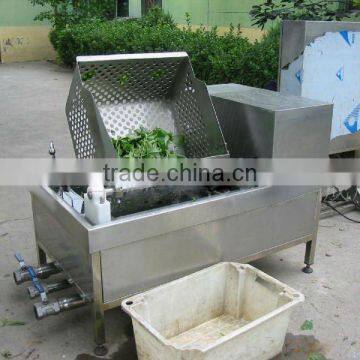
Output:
(50, 288)
(32, 276)
(38, 286)
(54, 308)
(52, 150)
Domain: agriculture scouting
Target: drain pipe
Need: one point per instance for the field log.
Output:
(65, 304)
(29, 273)
(49, 288)
(43, 272)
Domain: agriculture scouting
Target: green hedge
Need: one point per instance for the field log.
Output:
(215, 58)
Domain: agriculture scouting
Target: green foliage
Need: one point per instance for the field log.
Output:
(9, 322)
(300, 10)
(6, 354)
(316, 356)
(145, 144)
(215, 58)
(261, 62)
(307, 325)
(156, 17)
(61, 13)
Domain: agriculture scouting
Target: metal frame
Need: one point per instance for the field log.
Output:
(149, 248)
(98, 301)
(271, 124)
(152, 247)
(100, 305)
(311, 245)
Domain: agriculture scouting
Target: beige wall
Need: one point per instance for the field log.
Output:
(251, 33)
(25, 43)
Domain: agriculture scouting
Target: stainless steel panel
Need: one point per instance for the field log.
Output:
(303, 133)
(165, 233)
(296, 40)
(345, 143)
(248, 130)
(264, 99)
(135, 252)
(141, 264)
(261, 123)
(148, 224)
(62, 236)
(298, 34)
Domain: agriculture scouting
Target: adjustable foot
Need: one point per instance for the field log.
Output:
(307, 269)
(101, 350)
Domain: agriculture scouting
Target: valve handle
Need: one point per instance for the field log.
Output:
(37, 284)
(20, 260)
(32, 273)
(52, 150)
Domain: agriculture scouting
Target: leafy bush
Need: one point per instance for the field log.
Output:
(61, 13)
(327, 10)
(262, 61)
(215, 58)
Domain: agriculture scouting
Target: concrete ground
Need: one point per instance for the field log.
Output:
(32, 102)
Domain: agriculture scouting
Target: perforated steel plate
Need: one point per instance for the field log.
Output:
(113, 95)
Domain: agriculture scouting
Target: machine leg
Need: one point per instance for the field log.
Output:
(98, 311)
(309, 256)
(41, 255)
(99, 331)
(311, 245)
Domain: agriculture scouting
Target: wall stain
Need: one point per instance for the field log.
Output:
(14, 42)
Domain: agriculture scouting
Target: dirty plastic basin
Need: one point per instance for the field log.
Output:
(227, 311)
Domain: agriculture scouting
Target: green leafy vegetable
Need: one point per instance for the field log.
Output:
(8, 322)
(88, 75)
(123, 80)
(307, 325)
(145, 144)
(158, 74)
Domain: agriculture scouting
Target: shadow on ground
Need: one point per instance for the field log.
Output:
(127, 351)
(297, 347)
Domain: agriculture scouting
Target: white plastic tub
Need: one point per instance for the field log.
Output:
(227, 311)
